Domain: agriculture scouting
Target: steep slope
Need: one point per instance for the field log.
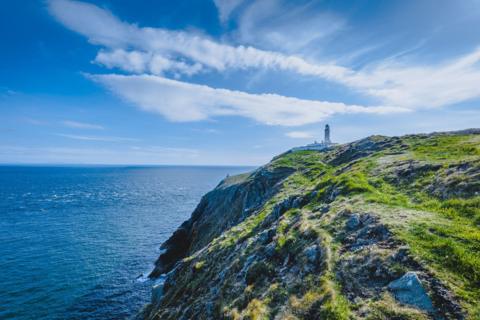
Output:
(381, 228)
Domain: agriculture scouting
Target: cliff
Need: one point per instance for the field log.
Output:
(381, 228)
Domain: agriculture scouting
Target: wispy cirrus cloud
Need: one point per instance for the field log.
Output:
(141, 62)
(163, 52)
(285, 26)
(181, 101)
(82, 125)
(409, 86)
(141, 47)
(226, 7)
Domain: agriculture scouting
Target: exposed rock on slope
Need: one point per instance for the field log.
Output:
(239, 196)
(381, 228)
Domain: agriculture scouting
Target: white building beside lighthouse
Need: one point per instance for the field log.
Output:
(325, 144)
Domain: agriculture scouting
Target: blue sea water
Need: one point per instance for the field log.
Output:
(74, 240)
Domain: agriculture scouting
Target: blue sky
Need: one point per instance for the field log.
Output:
(228, 82)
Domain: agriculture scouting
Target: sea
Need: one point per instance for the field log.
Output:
(77, 242)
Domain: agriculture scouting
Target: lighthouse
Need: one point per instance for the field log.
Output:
(326, 144)
(326, 140)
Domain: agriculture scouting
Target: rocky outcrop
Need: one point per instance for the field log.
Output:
(457, 180)
(409, 170)
(359, 149)
(233, 200)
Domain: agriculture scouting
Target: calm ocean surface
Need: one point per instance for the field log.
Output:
(73, 240)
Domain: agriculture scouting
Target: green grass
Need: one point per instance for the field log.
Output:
(242, 231)
(468, 209)
(444, 147)
(387, 308)
(297, 159)
(321, 298)
(452, 249)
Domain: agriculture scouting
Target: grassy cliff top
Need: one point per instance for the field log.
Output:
(328, 237)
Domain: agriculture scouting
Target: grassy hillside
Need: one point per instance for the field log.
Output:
(329, 235)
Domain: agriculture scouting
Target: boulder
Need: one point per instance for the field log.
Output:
(409, 290)
(353, 222)
(266, 236)
(312, 253)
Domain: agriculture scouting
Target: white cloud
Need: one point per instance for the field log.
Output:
(421, 86)
(103, 28)
(98, 25)
(226, 7)
(181, 101)
(287, 26)
(97, 138)
(156, 51)
(82, 125)
(299, 134)
(141, 62)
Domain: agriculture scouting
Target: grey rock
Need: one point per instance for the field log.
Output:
(360, 244)
(367, 219)
(280, 208)
(295, 270)
(270, 250)
(334, 192)
(354, 222)
(314, 256)
(312, 253)
(222, 274)
(409, 290)
(157, 292)
(214, 291)
(297, 202)
(247, 263)
(402, 254)
(374, 233)
(263, 237)
(209, 308)
(266, 236)
(323, 208)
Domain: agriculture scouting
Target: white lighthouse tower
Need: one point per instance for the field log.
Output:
(326, 140)
(325, 145)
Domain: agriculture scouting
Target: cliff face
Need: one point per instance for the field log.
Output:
(381, 228)
(234, 199)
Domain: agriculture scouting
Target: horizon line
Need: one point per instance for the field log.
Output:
(121, 165)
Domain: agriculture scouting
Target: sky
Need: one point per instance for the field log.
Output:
(228, 82)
